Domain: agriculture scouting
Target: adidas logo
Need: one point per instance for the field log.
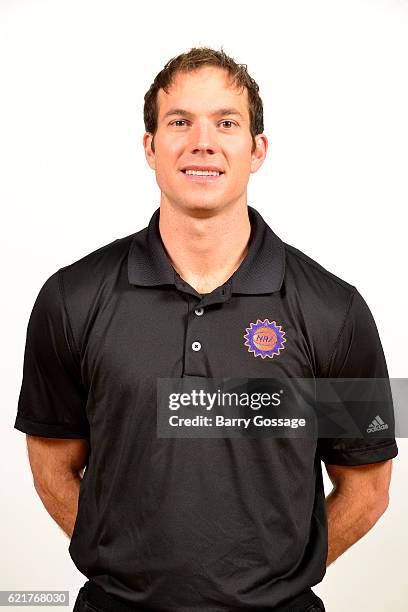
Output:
(377, 424)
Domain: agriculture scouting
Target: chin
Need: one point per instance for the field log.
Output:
(202, 207)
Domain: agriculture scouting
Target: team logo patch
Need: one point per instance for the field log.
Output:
(264, 338)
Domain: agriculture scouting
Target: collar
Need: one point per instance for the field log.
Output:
(261, 271)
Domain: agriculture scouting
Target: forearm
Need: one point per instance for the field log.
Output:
(61, 500)
(349, 518)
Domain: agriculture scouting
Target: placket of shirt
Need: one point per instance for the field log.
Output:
(198, 341)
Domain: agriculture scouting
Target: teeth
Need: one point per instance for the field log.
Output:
(203, 172)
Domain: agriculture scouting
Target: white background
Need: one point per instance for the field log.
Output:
(333, 79)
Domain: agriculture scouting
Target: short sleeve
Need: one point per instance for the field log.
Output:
(358, 354)
(52, 397)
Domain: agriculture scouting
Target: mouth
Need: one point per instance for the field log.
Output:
(203, 176)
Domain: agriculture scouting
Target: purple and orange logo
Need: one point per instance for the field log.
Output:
(264, 338)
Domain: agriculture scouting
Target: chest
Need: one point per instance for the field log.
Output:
(150, 334)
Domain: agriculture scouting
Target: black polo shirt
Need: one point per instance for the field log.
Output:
(178, 524)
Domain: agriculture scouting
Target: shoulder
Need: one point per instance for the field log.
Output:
(318, 288)
(97, 266)
(321, 302)
(89, 282)
(298, 263)
(84, 275)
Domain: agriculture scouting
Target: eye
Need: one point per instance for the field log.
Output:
(179, 122)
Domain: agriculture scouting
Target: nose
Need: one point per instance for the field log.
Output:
(203, 138)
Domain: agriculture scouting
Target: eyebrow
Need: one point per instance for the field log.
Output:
(217, 113)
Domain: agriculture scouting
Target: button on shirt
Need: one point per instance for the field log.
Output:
(179, 524)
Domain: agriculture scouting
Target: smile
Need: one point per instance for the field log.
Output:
(202, 176)
(203, 172)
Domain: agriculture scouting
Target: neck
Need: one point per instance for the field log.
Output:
(205, 250)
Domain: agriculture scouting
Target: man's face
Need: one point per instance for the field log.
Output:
(203, 122)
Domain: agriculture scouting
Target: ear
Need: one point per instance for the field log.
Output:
(259, 154)
(147, 145)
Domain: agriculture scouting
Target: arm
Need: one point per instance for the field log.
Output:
(358, 499)
(57, 468)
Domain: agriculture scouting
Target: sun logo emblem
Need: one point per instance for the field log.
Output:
(264, 338)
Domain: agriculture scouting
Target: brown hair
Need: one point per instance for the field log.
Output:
(194, 59)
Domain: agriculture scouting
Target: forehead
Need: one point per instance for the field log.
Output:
(201, 91)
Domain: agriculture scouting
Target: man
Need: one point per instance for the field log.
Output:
(207, 290)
